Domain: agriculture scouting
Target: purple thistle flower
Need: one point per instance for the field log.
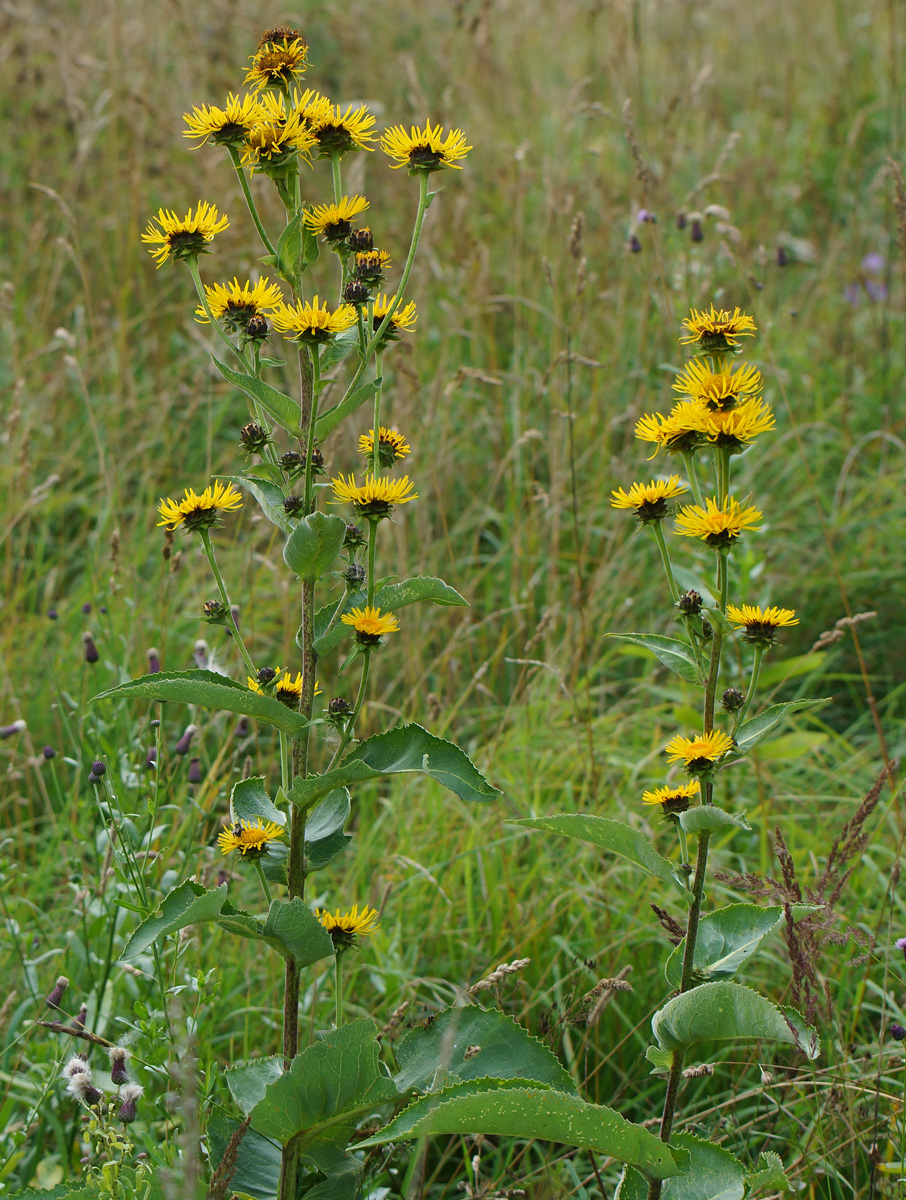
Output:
(130, 1095)
(49, 752)
(185, 742)
(153, 662)
(897, 1032)
(194, 775)
(8, 730)
(91, 650)
(56, 992)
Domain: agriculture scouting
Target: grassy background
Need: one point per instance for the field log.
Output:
(541, 340)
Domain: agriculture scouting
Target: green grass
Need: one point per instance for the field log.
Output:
(111, 403)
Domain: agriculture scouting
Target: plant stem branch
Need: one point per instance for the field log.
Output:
(413, 246)
(692, 475)
(376, 448)
(253, 210)
(753, 684)
(230, 619)
(267, 891)
(665, 557)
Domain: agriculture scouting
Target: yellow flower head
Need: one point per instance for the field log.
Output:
(286, 688)
(224, 126)
(199, 512)
(272, 145)
(649, 499)
(370, 624)
(699, 754)
(717, 331)
(279, 60)
(424, 149)
(736, 427)
(716, 525)
(684, 430)
(392, 446)
(761, 624)
(673, 799)
(310, 321)
(403, 319)
(250, 838)
(338, 132)
(376, 496)
(370, 266)
(345, 927)
(718, 389)
(334, 221)
(236, 303)
(183, 237)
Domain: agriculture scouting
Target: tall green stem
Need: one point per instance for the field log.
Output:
(655, 527)
(378, 374)
(692, 475)
(346, 736)
(265, 888)
(192, 264)
(230, 620)
(337, 175)
(753, 684)
(341, 954)
(372, 554)
(253, 211)
(413, 246)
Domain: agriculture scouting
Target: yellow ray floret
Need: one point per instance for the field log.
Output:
(404, 318)
(224, 125)
(736, 427)
(424, 149)
(199, 511)
(685, 428)
(183, 237)
(716, 524)
(312, 321)
(277, 62)
(761, 624)
(250, 838)
(270, 142)
(371, 622)
(239, 301)
(344, 927)
(718, 329)
(642, 495)
(718, 389)
(698, 752)
(391, 444)
(336, 131)
(679, 795)
(374, 491)
(323, 218)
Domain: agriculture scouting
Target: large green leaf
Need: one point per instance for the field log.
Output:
(672, 653)
(249, 799)
(297, 249)
(295, 927)
(348, 405)
(729, 1012)
(471, 1043)
(269, 496)
(768, 1175)
(209, 690)
(713, 1174)
(334, 351)
(313, 544)
(726, 940)
(257, 1161)
(615, 837)
(279, 407)
(185, 905)
(332, 1082)
(324, 835)
(391, 596)
(248, 1081)
(707, 818)
(759, 727)
(514, 1109)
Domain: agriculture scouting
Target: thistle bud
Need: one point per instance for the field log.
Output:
(130, 1095)
(783, 259)
(253, 438)
(77, 1065)
(897, 1032)
(56, 992)
(151, 757)
(733, 700)
(697, 233)
(356, 292)
(52, 614)
(49, 752)
(194, 775)
(184, 743)
(86, 607)
(293, 505)
(91, 650)
(81, 1088)
(201, 654)
(900, 944)
(119, 1056)
(690, 604)
(98, 769)
(78, 1021)
(153, 661)
(214, 613)
(354, 575)
(635, 246)
(8, 730)
(243, 727)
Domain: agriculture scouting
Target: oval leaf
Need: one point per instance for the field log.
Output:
(280, 408)
(295, 926)
(209, 690)
(727, 938)
(753, 731)
(615, 837)
(313, 544)
(706, 818)
(713, 1174)
(511, 1109)
(270, 498)
(671, 652)
(184, 905)
(249, 799)
(412, 748)
(728, 1011)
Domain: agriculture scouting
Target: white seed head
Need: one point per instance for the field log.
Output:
(132, 1092)
(77, 1066)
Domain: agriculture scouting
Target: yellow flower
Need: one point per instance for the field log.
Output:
(649, 499)
(272, 144)
(735, 428)
(278, 60)
(286, 688)
(685, 429)
(718, 389)
(199, 512)
(370, 266)
(424, 149)
(699, 754)
(250, 838)
(338, 132)
(370, 624)
(391, 446)
(717, 331)
(403, 319)
(184, 237)
(334, 221)
(236, 303)
(311, 322)
(716, 525)
(345, 927)
(224, 126)
(376, 496)
(673, 799)
(761, 624)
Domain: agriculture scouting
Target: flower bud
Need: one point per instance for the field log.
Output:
(78, 1021)
(897, 1032)
(52, 614)
(49, 752)
(690, 604)
(783, 259)
(360, 240)
(900, 944)
(119, 1056)
(86, 607)
(91, 650)
(696, 233)
(151, 757)
(354, 537)
(266, 675)
(184, 743)
(733, 699)
(356, 292)
(153, 661)
(291, 462)
(256, 329)
(201, 654)
(635, 246)
(293, 506)
(56, 992)
(77, 1065)
(8, 730)
(194, 775)
(214, 612)
(354, 575)
(98, 768)
(243, 727)
(681, 220)
(130, 1095)
(253, 438)
(338, 710)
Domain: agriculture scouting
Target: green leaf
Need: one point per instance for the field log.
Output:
(412, 748)
(248, 1081)
(390, 597)
(768, 1175)
(728, 1011)
(331, 1082)
(270, 497)
(330, 419)
(249, 799)
(790, 668)
(470, 1043)
(289, 249)
(672, 653)
(258, 1160)
(313, 544)
(280, 408)
(705, 818)
(295, 926)
(713, 1174)
(615, 837)
(184, 905)
(727, 939)
(209, 690)
(324, 836)
(335, 351)
(753, 731)
(513, 1109)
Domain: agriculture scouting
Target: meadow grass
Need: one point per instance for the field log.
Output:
(548, 339)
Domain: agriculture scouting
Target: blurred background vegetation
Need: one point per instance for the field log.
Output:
(544, 332)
